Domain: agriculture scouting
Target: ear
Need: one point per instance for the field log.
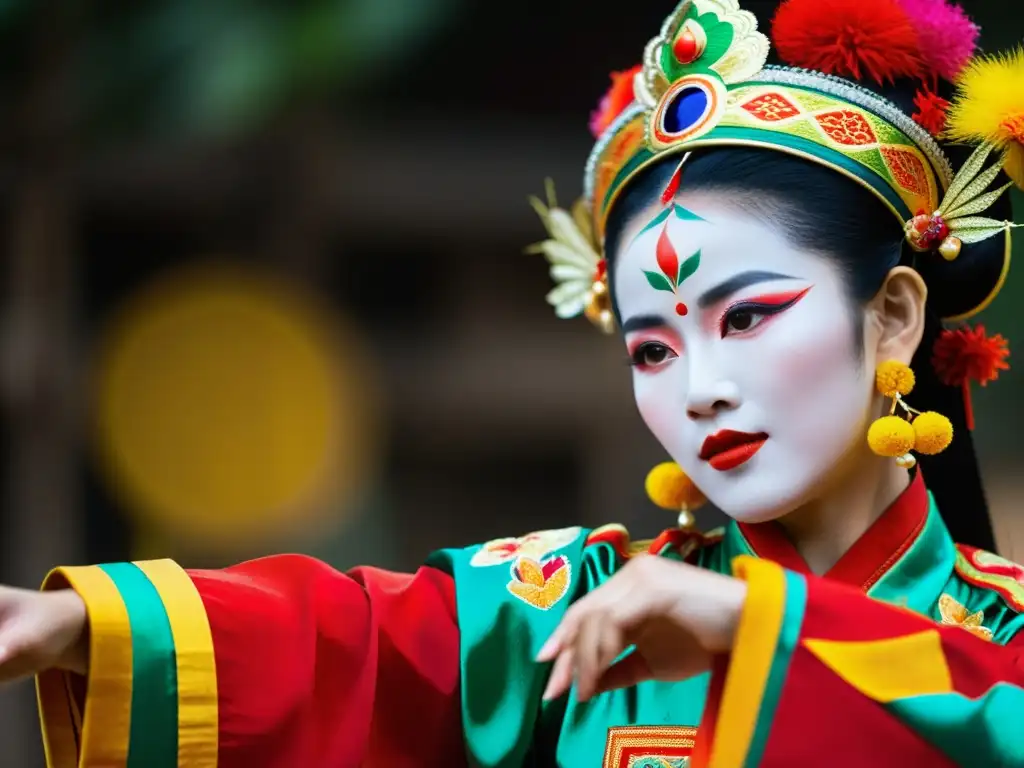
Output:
(898, 310)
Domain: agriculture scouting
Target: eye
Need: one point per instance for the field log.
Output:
(651, 354)
(740, 320)
(745, 316)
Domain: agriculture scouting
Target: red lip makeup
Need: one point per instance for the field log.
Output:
(729, 449)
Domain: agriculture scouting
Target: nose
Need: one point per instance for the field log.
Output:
(710, 393)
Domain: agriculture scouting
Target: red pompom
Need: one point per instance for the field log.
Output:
(931, 111)
(967, 355)
(851, 38)
(618, 97)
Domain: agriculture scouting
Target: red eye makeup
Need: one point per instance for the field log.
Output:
(653, 348)
(750, 313)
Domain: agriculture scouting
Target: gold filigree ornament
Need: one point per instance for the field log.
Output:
(956, 221)
(579, 273)
(955, 614)
(704, 46)
(725, 42)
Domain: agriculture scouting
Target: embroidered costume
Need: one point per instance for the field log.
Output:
(908, 651)
(282, 661)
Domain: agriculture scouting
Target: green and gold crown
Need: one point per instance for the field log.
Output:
(704, 82)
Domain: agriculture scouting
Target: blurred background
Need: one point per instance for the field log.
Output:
(265, 290)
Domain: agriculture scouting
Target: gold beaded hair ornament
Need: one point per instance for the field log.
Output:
(704, 82)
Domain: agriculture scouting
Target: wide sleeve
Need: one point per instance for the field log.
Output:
(821, 673)
(273, 663)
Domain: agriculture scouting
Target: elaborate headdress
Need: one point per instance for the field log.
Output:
(704, 82)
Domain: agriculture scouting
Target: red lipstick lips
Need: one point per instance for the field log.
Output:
(727, 449)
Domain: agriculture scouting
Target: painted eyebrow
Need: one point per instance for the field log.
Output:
(642, 323)
(737, 283)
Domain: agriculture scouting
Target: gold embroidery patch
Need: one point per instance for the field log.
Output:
(640, 746)
(955, 614)
(533, 545)
(541, 584)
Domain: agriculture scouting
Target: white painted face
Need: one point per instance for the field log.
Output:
(745, 364)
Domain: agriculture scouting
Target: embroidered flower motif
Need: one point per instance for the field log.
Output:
(954, 614)
(540, 584)
(533, 545)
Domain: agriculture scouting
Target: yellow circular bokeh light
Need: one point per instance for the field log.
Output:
(229, 409)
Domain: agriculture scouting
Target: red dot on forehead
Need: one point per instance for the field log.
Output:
(681, 309)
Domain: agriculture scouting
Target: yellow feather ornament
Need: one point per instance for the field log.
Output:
(989, 108)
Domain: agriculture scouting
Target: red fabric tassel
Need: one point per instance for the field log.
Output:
(968, 406)
(967, 354)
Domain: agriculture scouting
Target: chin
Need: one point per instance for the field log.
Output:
(756, 492)
(754, 510)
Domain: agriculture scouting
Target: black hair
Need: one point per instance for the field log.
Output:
(824, 212)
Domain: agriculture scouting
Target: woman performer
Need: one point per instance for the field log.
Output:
(779, 247)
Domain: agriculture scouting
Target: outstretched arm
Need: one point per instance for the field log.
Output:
(276, 662)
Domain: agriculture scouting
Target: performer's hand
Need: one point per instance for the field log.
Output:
(40, 631)
(676, 615)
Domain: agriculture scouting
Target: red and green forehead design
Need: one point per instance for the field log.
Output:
(672, 271)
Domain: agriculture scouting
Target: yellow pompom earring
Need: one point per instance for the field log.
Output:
(671, 488)
(897, 434)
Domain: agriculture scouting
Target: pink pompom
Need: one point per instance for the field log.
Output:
(947, 36)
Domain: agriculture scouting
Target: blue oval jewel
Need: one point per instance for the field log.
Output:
(686, 109)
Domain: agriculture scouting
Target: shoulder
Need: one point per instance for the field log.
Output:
(544, 569)
(688, 545)
(537, 570)
(988, 572)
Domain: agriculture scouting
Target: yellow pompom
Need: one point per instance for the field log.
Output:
(670, 488)
(989, 107)
(891, 436)
(933, 433)
(894, 378)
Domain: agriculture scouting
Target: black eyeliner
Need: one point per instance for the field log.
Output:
(757, 308)
(633, 361)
